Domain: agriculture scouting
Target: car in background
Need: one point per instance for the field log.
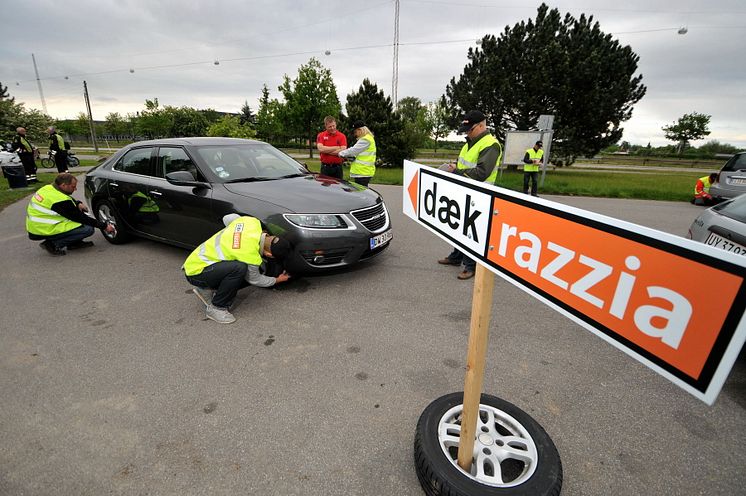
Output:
(722, 226)
(731, 180)
(178, 190)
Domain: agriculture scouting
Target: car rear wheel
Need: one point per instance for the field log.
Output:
(106, 213)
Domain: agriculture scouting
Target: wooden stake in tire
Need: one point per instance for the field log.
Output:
(481, 308)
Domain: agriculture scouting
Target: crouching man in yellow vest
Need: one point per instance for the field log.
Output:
(54, 216)
(479, 160)
(230, 260)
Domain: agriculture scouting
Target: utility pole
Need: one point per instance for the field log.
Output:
(395, 77)
(90, 116)
(38, 83)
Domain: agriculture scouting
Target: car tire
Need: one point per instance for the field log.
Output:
(106, 213)
(504, 433)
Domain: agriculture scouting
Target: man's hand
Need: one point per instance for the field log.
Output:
(82, 207)
(283, 277)
(109, 228)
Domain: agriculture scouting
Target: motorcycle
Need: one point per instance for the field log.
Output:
(48, 161)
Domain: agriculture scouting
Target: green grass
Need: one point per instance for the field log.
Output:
(8, 196)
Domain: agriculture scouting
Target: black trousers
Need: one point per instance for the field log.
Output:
(226, 278)
(332, 170)
(60, 159)
(534, 185)
(29, 164)
(363, 181)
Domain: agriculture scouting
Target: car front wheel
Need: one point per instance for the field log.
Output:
(106, 213)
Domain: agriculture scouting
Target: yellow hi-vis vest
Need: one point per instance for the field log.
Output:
(706, 186)
(239, 241)
(60, 141)
(41, 219)
(533, 155)
(26, 144)
(149, 206)
(365, 163)
(469, 157)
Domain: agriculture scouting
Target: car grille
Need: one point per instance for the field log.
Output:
(374, 218)
(331, 257)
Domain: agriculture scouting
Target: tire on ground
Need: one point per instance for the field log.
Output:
(105, 212)
(439, 474)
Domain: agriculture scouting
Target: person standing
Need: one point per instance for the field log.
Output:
(363, 168)
(230, 260)
(702, 190)
(60, 220)
(329, 142)
(57, 145)
(25, 150)
(532, 160)
(479, 159)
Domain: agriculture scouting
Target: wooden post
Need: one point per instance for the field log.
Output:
(481, 308)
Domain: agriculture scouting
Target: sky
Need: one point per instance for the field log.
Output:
(219, 54)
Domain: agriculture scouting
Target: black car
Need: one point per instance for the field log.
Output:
(178, 190)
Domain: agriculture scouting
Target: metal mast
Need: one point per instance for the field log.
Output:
(38, 83)
(395, 77)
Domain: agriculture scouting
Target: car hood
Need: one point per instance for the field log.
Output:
(309, 194)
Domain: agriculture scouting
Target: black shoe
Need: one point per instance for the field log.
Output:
(80, 244)
(53, 250)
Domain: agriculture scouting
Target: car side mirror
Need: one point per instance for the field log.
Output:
(184, 178)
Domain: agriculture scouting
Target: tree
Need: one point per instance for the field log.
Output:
(308, 99)
(153, 121)
(268, 125)
(566, 67)
(438, 120)
(414, 117)
(714, 147)
(246, 115)
(230, 127)
(114, 125)
(376, 110)
(185, 121)
(689, 127)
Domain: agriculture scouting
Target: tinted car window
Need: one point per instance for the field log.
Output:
(236, 162)
(136, 161)
(735, 209)
(735, 163)
(176, 159)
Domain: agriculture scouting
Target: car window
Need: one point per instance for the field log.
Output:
(176, 159)
(234, 162)
(737, 162)
(735, 209)
(136, 161)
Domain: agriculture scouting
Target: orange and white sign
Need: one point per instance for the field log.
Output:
(637, 288)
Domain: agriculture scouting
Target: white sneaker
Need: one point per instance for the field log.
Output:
(204, 295)
(219, 315)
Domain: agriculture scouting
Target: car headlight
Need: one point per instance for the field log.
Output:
(317, 221)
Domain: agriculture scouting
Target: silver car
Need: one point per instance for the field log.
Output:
(731, 180)
(722, 226)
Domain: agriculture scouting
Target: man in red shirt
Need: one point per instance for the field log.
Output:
(329, 143)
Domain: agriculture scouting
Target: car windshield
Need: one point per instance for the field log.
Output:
(735, 209)
(249, 162)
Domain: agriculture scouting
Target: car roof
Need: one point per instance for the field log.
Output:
(197, 141)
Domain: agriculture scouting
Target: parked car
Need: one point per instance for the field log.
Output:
(178, 190)
(722, 226)
(731, 180)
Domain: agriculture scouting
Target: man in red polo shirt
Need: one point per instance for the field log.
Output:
(329, 143)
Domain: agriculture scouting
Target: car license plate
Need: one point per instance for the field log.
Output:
(725, 244)
(381, 239)
(738, 180)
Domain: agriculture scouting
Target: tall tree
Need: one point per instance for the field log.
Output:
(153, 122)
(376, 110)
(553, 65)
(414, 117)
(438, 121)
(246, 115)
(230, 126)
(689, 127)
(115, 125)
(308, 99)
(185, 121)
(268, 126)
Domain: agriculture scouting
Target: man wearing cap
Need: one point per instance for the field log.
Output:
(532, 159)
(479, 160)
(230, 260)
(22, 146)
(330, 142)
(363, 168)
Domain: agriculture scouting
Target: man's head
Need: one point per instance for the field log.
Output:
(473, 123)
(21, 131)
(66, 183)
(276, 247)
(51, 130)
(330, 124)
(538, 145)
(713, 177)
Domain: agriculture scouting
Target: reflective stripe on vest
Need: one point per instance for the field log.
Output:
(239, 241)
(41, 219)
(469, 157)
(533, 155)
(365, 162)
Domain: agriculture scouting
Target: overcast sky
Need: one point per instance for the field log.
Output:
(130, 50)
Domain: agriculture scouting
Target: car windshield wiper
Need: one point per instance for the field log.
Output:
(249, 179)
(296, 174)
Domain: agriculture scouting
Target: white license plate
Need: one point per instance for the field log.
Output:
(381, 239)
(737, 180)
(725, 244)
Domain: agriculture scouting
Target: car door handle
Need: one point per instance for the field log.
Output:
(115, 185)
(156, 193)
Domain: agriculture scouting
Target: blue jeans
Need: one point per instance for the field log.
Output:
(67, 238)
(458, 256)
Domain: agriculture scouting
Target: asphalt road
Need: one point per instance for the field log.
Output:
(113, 383)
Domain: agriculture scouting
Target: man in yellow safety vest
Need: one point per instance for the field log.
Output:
(224, 262)
(532, 160)
(479, 160)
